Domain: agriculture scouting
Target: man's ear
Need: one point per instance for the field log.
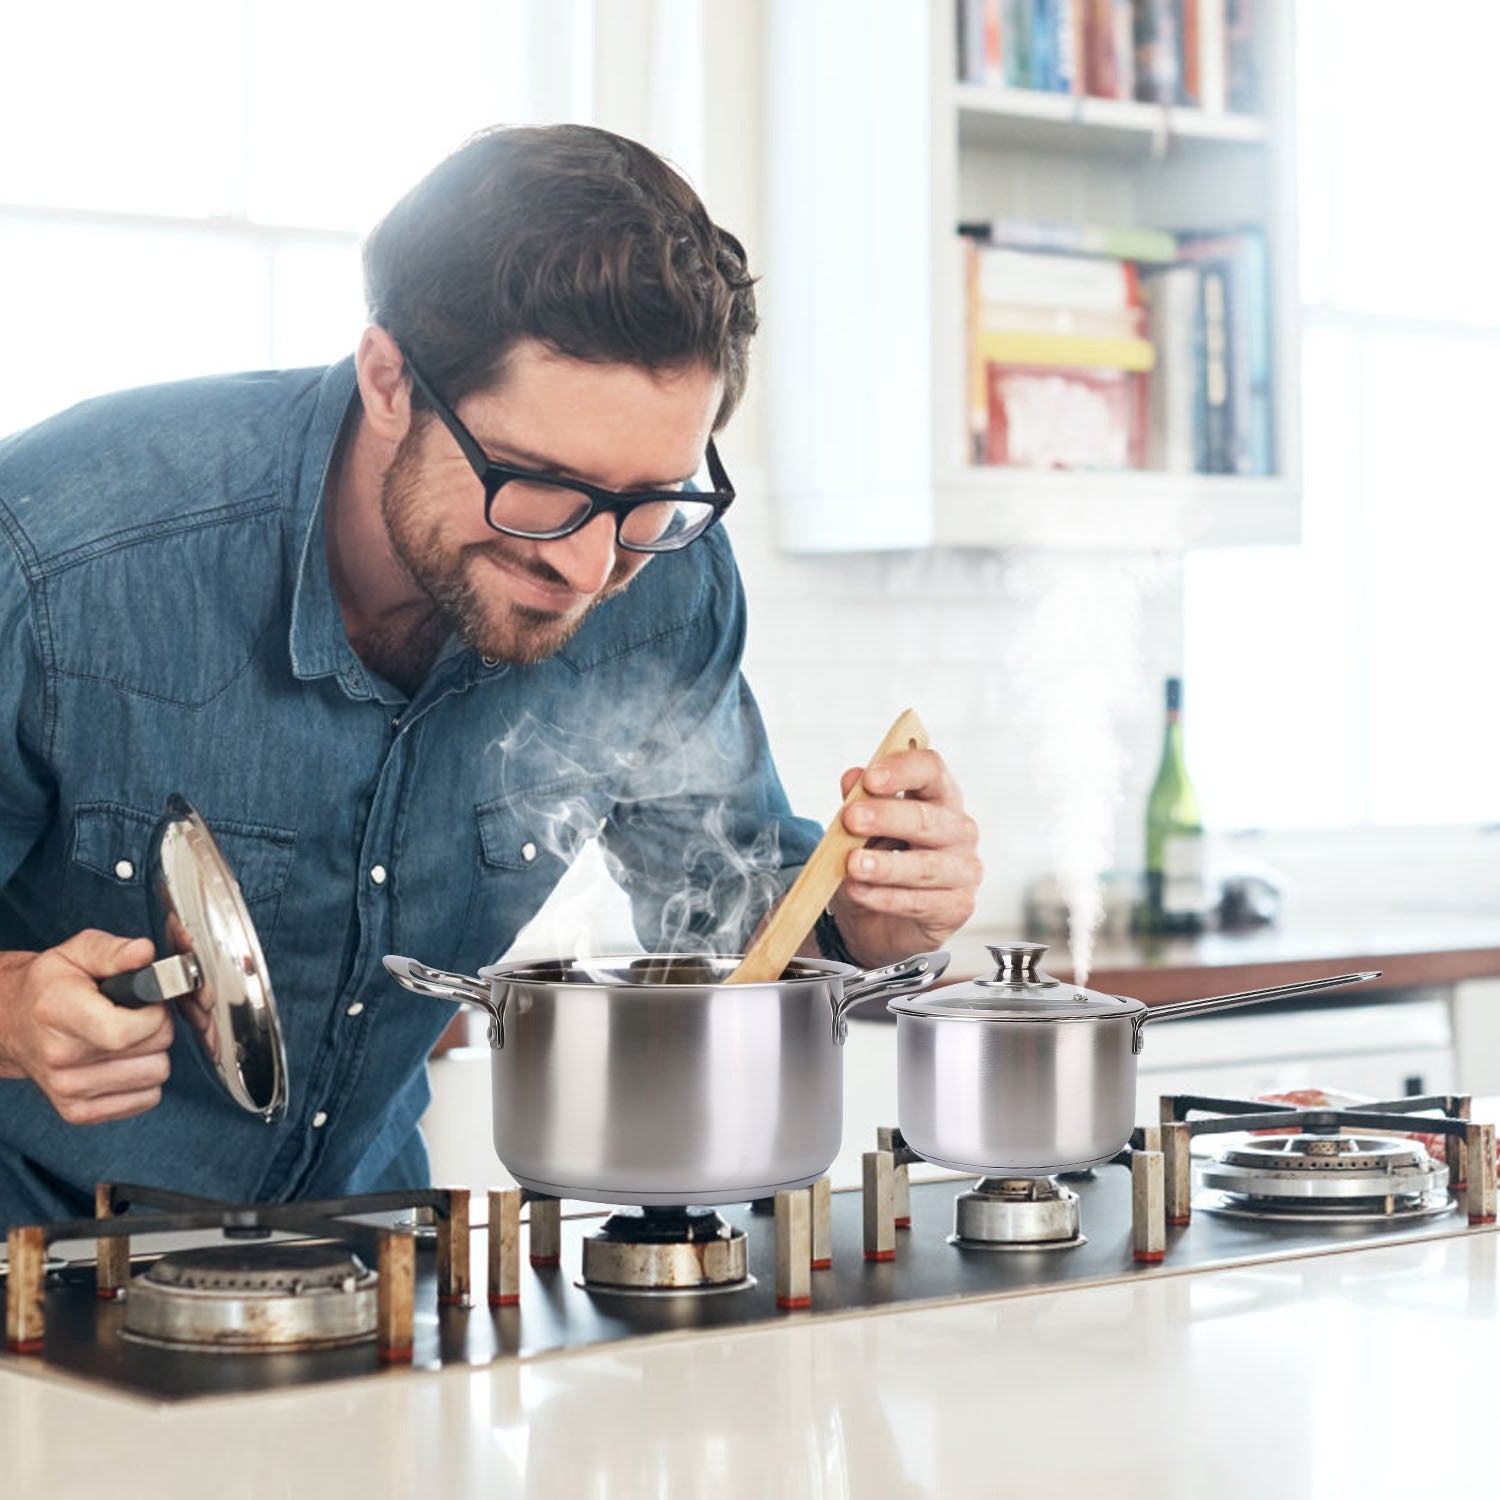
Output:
(384, 386)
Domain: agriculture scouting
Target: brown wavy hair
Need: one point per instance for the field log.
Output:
(567, 234)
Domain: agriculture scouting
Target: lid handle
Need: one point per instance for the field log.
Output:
(1019, 963)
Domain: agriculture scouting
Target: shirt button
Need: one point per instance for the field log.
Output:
(490, 662)
(320, 1119)
(377, 874)
(356, 1008)
(528, 851)
(124, 870)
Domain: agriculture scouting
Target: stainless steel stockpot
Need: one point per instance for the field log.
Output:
(1019, 1074)
(647, 1080)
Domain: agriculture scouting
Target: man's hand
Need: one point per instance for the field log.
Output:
(914, 886)
(93, 1060)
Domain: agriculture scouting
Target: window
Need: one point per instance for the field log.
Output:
(1347, 681)
(184, 186)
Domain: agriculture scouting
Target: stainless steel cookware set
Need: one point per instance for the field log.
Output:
(650, 1080)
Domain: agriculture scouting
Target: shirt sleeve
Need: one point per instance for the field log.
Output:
(702, 838)
(26, 798)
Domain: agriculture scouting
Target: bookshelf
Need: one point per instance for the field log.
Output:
(876, 153)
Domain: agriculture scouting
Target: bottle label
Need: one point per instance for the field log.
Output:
(1182, 874)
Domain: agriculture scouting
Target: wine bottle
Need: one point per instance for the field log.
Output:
(1174, 835)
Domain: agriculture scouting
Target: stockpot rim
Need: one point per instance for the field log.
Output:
(549, 973)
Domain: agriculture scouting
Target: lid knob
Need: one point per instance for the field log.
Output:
(1019, 963)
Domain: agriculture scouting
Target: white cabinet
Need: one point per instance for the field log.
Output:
(875, 155)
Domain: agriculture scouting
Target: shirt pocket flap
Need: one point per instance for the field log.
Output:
(539, 827)
(115, 842)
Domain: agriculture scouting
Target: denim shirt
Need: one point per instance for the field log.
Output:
(167, 624)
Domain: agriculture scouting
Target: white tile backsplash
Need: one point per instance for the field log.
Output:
(838, 645)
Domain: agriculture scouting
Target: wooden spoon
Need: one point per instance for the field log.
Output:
(821, 876)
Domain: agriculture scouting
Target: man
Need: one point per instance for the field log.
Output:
(407, 631)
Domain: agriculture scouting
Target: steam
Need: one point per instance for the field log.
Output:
(725, 889)
(707, 877)
(1075, 659)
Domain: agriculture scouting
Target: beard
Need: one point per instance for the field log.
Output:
(482, 618)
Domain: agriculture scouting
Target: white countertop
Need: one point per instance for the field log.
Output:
(1364, 1372)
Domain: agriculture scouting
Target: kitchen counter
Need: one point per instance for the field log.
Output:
(1355, 1371)
(1411, 946)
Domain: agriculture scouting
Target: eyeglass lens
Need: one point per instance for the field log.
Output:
(545, 509)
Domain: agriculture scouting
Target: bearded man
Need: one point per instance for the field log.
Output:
(407, 631)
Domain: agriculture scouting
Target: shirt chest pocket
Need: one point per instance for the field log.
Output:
(524, 845)
(111, 859)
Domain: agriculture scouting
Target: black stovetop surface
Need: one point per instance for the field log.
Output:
(83, 1333)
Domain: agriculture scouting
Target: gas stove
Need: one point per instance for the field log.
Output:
(182, 1298)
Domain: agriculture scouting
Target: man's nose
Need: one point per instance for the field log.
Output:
(587, 557)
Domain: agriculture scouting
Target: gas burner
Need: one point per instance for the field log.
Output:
(665, 1251)
(1331, 1178)
(276, 1297)
(1016, 1213)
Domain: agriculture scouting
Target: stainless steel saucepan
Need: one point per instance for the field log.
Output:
(649, 1080)
(1018, 1074)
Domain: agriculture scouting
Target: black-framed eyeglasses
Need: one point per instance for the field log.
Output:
(542, 507)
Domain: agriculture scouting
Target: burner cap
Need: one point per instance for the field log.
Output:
(663, 1250)
(1016, 1213)
(1328, 1153)
(231, 1297)
(1326, 1167)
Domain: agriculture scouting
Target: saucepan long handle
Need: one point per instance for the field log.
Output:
(1179, 1008)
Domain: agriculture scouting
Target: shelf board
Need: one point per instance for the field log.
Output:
(1132, 511)
(1069, 122)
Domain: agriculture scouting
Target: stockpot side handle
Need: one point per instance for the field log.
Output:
(904, 978)
(1246, 997)
(441, 984)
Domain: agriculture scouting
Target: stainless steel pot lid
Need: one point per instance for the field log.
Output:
(1018, 990)
(212, 964)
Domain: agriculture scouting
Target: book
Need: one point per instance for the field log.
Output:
(1109, 49)
(1158, 49)
(1243, 262)
(1015, 317)
(1173, 302)
(1044, 418)
(979, 35)
(969, 36)
(1015, 43)
(1044, 46)
(1187, 49)
(1037, 278)
(1242, 59)
(1216, 454)
(1012, 346)
(1148, 245)
(1212, 52)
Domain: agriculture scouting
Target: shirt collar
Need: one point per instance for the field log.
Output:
(319, 647)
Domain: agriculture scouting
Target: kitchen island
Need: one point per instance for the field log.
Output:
(1356, 1371)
